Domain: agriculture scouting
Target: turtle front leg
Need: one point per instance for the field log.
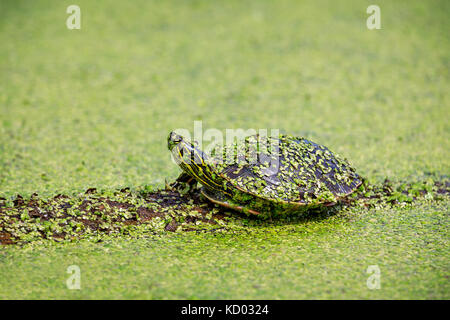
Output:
(184, 184)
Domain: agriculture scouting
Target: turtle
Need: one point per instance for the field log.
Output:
(294, 174)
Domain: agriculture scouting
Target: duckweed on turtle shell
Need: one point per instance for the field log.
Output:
(287, 170)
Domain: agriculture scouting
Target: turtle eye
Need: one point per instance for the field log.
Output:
(175, 137)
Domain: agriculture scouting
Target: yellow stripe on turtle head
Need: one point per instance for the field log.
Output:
(194, 162)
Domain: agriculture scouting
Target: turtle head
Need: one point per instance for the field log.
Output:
(191, 159)
(173, 140)
(184, 151)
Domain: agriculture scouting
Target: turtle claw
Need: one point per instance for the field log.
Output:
(175, 186)
(169, 186)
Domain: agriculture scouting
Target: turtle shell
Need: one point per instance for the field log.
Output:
(286, 169)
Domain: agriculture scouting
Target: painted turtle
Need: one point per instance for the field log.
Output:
(293, 174)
